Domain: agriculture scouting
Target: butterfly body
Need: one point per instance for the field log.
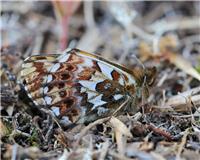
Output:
(78, 87)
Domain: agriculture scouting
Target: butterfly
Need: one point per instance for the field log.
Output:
(80, 87)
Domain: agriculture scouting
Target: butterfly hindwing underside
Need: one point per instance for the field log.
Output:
(76, 86)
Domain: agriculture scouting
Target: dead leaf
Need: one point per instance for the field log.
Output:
(3, 129)
(120, 130)
(146, 146)
(120, 127)
(183, 64)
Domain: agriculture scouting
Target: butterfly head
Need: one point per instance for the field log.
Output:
(145, 78)
(149, 76)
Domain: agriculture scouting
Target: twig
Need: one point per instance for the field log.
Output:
(89, 14)
(121, 106)
(181, 100)
(91, 125)
(190, 39)
(118, 156)
(89, 151)
(141, 33)
(162, 79)
(38, 43)
(168, 25)
(50, 130)
(181, 146)
(158, 156)
(20, 132)
(187, 116)
(52, 116)
(90, 43)
(104, 150)
(19, 7)
(120, 140)
(160, 132)
(14, 152)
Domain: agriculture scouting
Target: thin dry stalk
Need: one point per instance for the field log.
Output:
(184, 99)
(91, 125)
(104, 150)
(181, 146)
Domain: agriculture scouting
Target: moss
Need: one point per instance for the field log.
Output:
(33, 140)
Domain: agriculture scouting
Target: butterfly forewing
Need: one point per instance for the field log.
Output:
(76, 86)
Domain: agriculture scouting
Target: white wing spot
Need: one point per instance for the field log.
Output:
(91, 85)
(55, 67)
(101, 111)
(97, 77)
(83, 89)
(26, 88)
(64, 57)
(27, 65)
(49, 78)
(46, 90)
(106, 70)
(35, 103)
(97, 101)
(117, 96)
(130, 79)
(48, 100)
(65, 120)
(40, 101)
(91, 94)
(29, 95)
(88, 62)
(121, 81)
(56, 110)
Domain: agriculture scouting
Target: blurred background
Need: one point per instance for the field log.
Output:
(107, 27)
(162, 34)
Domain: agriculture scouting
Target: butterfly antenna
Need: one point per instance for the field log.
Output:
(143, 67)
(139, 61)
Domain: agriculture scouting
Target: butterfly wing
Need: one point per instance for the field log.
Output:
(77, 86)
(33, 73)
